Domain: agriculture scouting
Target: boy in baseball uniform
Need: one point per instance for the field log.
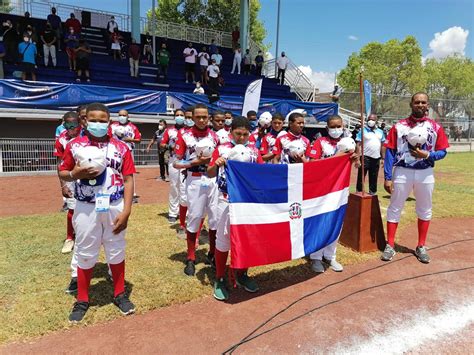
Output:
(104, 204)
(269, 140)
(409, 168)
(283, 151)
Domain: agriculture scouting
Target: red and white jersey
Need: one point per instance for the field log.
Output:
(323, 147)
(170, 137)
(268, 141)
(396, 140)
(131, 131)
(119, 164)
(224, 136)
(223, 151)
(60, 144)
(186, 145)
(282, 147)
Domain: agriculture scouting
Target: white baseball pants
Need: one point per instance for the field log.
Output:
(223, 224)
(421, 182)
(175, 180)
(201, 193)
(328, 252)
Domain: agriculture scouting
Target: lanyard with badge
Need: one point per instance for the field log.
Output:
(102, 198)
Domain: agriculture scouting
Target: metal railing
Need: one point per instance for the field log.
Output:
(19, 155)
(298, 82)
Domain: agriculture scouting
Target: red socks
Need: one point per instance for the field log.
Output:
(212, 241)
(118, 274)
(391, 230)
(182, 215)
(70, 229)
(191, 241)
(221, 261)
(83, 281)
(422, 231)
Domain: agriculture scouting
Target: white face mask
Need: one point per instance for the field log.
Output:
(228, 121)
(335, 132)
(26, 39)
(371, 123)
(161, 127)
(122, 119)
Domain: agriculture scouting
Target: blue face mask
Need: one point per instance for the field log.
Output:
(189, 123)
(98, 129)
(253, 125)
(245, 144)
(179, 120)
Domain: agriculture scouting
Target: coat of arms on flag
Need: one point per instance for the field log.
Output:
(284, 212)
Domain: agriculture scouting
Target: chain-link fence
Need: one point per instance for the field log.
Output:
(19, 155)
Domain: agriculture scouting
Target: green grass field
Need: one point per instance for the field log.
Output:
(33, 272)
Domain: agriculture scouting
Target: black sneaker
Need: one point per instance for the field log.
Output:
(72, 287)
(211, 260)
(190, 269)
(78, 312)
(124, 304)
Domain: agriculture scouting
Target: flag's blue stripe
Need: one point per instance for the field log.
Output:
(323, 229)
(257, 183)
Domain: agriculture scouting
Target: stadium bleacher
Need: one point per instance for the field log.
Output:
(105, 71)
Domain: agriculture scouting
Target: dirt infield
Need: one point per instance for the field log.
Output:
(397, 307)
(24, 195)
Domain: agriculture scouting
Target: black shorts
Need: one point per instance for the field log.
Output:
(190, 67)
(82, 63)
(28, 68)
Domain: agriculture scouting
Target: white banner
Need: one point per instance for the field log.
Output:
(252, 97)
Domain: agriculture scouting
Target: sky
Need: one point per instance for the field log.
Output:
(320, 35)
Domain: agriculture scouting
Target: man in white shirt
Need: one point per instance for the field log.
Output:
(373, 152)
(204, 63)
(213, 72)
(217, 57)
(282, 63)
(190, 55)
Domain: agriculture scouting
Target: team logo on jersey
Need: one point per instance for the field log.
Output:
(295, 210)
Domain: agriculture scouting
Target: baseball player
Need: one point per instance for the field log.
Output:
(218, 125)
(322, 148)
(228, 120)
(169, 142)
(292, 147)
(252, 117)
(104, 203)
(201, 191)
(130, 135)
(240, 138)
(409, 167)
(269, 140)
(72, 130)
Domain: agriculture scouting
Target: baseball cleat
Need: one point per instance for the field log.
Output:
(78, 312)
(72, 287)
(172, 220)
(388, 253)
(422, 255)
(123, 303)
(334, 265)
(190, 268)
(220, 290)
(181, 233)
(317, 266)
(68, 246)
(247, 283)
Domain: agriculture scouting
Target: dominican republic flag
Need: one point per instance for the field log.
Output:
(284, 212)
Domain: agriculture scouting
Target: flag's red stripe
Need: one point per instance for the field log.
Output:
(324, 176)
(260, 244)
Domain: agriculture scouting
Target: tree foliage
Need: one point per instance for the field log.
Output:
(221, 15)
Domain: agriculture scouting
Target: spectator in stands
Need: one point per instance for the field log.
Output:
(28, 52)
(158, 137)
(190, 55)
(134, 58)
(259, 63)
(213, 73)
(55, 22)
(247, 62)
(148, 49)
(82, 60)
(282, 63)
(199, 90)
(24, 23)
(336, 93)
(10, 41)
(71, 39)
(73, 22)
(163, 57)
(33, 36)
(235, 37)
(2, 54)
(111, 26)
(217, 57)
(213, 47)
(204, 63)
(237, 60)
(115, 39)
(49, 40)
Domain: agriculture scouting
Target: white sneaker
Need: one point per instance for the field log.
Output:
(67, 246)
(334, 265)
